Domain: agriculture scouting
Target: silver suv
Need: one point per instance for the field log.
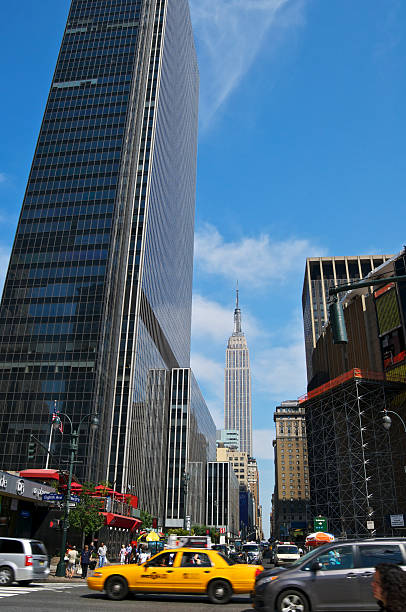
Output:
(336, 576)
(22, 561)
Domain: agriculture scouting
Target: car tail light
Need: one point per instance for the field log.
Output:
(28, 560)
(258, 572)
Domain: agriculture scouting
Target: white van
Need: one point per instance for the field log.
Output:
(285, 554)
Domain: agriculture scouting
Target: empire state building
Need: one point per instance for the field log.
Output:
(237, 385)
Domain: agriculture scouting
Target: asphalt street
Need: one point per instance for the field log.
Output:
(55, 596)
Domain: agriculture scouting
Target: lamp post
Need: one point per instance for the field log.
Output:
(186, 480)
(387, 421)
(73, 448)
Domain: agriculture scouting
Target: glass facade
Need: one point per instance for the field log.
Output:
(98, 291)
(223, 497)
(192, 443)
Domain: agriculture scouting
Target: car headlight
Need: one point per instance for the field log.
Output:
(265, 580)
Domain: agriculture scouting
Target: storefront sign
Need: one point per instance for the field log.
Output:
(22, 487)
(397, 520)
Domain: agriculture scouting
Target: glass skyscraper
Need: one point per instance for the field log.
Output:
(237, 385)
(98, 291)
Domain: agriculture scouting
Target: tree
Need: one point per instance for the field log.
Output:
(87, 516)
(146, 519)
(178, 531)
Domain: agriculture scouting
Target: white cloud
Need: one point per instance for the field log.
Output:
(262, 443)
(214, 322)
(280, 371)
(230, 34)
(255, 261)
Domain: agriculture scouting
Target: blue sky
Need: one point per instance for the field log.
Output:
(301, 152)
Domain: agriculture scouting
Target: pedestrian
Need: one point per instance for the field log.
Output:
(143, 556)
(389, 587)
(72, 558)
(128, 551)
(122, 554)
(102, 552)
(85, 560)
(134, 553)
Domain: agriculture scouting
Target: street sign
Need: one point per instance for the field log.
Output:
(72, 504)
(370, 525)
(222, 530)
(188, 523)
(52, 497)
(320, 523)
(75, 498)
(397, 520)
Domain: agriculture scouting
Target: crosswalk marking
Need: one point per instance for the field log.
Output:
(15, 590)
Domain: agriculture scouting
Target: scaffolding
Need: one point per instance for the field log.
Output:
(351, 467)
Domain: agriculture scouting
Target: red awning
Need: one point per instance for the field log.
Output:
(118, 520)
(45, 475)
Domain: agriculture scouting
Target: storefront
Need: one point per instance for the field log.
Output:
(22, 511)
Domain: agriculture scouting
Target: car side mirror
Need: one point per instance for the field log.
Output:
(316, 566)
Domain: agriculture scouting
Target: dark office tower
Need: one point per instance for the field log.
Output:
(321, 273)
(98, 290)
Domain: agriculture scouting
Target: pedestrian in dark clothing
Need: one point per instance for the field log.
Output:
(389, 587)
(134, 554)
(85, 560)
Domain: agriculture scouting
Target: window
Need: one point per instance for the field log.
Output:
(340, 557)
(11, 547)
(37, 548)
(195, 560)
(162, 560)
(371, 555)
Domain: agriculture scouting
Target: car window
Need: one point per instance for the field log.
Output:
(250, 548)
(195, 560)
(37, 548)
(340, 557)
(163, 560)
(287, 550)
(372, 554)
(11, 547)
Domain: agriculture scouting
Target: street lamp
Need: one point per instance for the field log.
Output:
(387, 421)
(73, 447)
(186, 480)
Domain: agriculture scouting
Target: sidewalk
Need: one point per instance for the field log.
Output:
(53, 578)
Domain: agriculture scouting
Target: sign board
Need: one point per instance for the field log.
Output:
(320, 523)
(75, 498)
(370, 525)
(72, 504)
(397, 520)
(222, 530)
(52, 497)
(188, 523)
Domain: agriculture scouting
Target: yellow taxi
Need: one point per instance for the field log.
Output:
(180, 570)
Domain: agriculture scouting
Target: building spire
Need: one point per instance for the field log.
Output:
(237, 315)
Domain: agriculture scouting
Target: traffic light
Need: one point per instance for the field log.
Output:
(31, 450)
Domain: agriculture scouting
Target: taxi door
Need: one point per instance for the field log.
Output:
(194, 572)
(157, 575)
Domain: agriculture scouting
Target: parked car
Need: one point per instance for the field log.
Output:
(336, 576)
(179, 570)
(22, 560)
(286, 554)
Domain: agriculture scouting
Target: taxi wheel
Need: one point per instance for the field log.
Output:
(219, 592)
(292, 601)
(116, 588)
